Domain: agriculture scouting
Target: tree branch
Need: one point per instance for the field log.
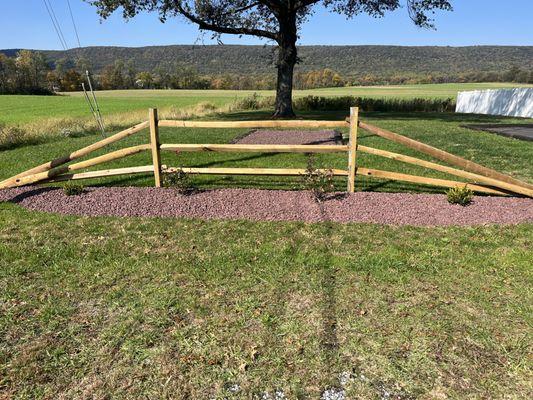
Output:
(247, 7)
(304, 3)
(223, 29)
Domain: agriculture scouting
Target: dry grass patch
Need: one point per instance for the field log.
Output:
(54, 127)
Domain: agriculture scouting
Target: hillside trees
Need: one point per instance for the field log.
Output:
(144, 80)
(7, 74)
(25, 74)
(274, 20)
(19, 75)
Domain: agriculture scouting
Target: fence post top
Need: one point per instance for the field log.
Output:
(152, 114)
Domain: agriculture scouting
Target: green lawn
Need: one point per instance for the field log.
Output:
(19, 109)
(443, 90)
(134, 308)
(24, 109)
(131, 308)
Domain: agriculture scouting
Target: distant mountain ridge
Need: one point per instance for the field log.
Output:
(347, 60)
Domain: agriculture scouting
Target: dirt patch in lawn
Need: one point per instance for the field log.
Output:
(275, 205)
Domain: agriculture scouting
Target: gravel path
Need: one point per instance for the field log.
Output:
(290, 137)
(275, 205)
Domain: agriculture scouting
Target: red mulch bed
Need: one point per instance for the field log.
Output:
(275, 205)
(290, 137)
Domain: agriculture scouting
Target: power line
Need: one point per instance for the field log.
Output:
(73, 23)
(56, 28)
(58, 24)
(93, 104)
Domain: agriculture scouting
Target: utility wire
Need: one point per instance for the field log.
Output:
(93, 105)
(58, 24)
(59, 35)
(73, 23)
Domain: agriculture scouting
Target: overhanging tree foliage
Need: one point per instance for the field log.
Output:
(276, 20)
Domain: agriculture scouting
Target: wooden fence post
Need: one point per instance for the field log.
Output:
(155, 146)
(352, 148)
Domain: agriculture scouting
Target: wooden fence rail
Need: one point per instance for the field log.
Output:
(480, 178)
(253, 124)
(258, 148)
(443, 155)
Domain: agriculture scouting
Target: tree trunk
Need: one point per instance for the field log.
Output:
(287, 57)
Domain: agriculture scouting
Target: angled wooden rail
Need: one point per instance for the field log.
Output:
(480, 178)
(104, 173)
(115, 155)
(443, 155)
(397, 176)
(475, 178)
(76, 154)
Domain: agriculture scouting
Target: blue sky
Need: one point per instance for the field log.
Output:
(25, 24)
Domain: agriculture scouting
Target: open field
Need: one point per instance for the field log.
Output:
(17, 109)
(180, 308)
(443, 91)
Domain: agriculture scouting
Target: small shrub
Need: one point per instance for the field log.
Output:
(248, 103)
(252, 102)
(320, 183)
(73, 189)
(177, 179)
(460, 195)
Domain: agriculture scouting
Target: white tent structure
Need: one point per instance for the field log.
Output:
(517, 102)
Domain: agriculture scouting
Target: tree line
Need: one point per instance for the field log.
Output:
(28, 72)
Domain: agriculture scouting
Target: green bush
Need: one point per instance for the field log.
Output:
(460, 195)
(319, 182)
(320, 103)
(73, 189)
(177, 179)
(252, 102)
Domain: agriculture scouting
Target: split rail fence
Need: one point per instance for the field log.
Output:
(479, 178)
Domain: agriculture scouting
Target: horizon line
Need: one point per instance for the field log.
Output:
(263, 45)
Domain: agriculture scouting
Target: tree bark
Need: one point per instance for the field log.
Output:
(287, 58)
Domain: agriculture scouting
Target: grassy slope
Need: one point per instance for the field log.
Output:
(24, 109)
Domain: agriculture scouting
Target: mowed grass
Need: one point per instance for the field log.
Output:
(165, 308)
(437, 90)
(20, 110)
